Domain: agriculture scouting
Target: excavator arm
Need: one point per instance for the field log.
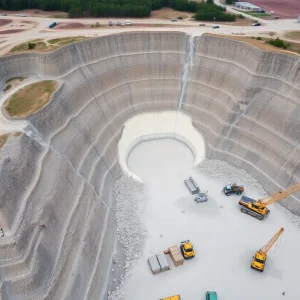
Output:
(279, 195)
(272, 241)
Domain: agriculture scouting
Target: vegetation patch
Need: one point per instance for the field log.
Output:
(279, 43)
(30, 99)
(3, 139)
(8, 86)
(44, 46)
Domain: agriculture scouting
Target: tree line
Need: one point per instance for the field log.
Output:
(207, 11)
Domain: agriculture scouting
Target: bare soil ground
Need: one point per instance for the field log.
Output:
(169, 13)
(36, 13)
(4, 22)
(9, 31)
(29, 99)
(261, 44)
(67, 25)
(286, 9)
(293, 35)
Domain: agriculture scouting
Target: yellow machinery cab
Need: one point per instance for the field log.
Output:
(187, 249)
(176, 297)
(259, 261)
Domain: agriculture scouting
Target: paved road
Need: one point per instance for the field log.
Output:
(41, 29)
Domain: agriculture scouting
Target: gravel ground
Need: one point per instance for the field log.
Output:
(131, 233)
(225, 174)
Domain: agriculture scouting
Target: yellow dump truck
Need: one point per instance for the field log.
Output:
(176, 297)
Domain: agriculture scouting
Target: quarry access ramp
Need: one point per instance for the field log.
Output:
(57, 206)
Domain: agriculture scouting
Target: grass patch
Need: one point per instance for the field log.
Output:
(261, 43)
(293, 35)
(42, 46)
(60, 16)
(254, 14)
(32, 45)
(30, 99)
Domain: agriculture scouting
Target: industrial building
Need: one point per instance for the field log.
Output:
(247, 6)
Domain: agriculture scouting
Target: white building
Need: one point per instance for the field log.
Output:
(247, 6)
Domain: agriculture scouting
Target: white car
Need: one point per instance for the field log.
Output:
(128, 22)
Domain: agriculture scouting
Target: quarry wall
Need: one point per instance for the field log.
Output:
(57, 178)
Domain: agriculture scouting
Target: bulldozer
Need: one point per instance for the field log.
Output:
(187, 249)
(233, 189)
(258, 208)
(260, 257)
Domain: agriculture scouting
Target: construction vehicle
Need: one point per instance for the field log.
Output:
(233, 189)
(260, 257)
(192, 186)
(211, 296)
(187, 249)
(258, 208)
(176, 297)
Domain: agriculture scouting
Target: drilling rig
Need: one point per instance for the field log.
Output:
(258, 208)
(260, 257)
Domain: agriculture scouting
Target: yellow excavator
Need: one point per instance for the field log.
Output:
(258, 208)
(260, 257)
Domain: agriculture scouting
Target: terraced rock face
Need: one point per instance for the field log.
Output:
(56, 186)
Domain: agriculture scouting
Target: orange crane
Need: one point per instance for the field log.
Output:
(260, 257)
(258, 208)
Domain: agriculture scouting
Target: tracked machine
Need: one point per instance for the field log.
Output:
(260, 257)
(258, 208)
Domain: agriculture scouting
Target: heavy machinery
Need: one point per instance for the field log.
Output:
(176, 297)
(187, 249)
(211, 296)
(260, 257)
(258, 208)
(233, 189)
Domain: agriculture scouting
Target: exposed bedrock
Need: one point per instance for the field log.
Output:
(57, 179)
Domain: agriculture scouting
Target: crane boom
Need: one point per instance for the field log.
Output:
(268, 246)
(279, 195)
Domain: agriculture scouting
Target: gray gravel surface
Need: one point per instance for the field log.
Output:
(131, 233)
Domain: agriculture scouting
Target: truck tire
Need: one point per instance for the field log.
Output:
(244, 211)
(239, 193)
(260, 217)
(228, 194)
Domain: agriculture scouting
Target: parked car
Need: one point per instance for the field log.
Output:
(110, 23)
(256, 24)
(173, 20)
(118, 23)
(123, 23)
(202, 24)
(216, 27)
(211, 296)
(128, 23)
(276, 18)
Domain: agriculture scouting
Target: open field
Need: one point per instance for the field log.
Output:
(29, 99)
(283, 9)
(293, 35)
(45, 45)
(260, 43)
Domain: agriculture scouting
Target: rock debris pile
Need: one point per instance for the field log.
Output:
(131, 233)
(226, 174)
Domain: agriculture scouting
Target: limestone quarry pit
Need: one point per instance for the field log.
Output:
(224, 99)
